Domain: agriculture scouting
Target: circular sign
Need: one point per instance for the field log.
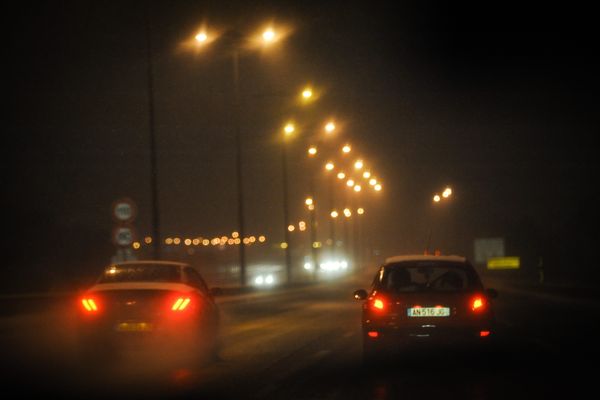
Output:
(123, 236)
(124, 210)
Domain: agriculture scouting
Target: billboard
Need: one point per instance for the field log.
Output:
(486, 248)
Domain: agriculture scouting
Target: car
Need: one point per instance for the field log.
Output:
(148, 302)
(425, 299)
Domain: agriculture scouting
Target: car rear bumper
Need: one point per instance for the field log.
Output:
(429, 334)
(135, 331)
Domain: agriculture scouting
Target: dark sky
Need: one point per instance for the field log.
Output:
(498, 100)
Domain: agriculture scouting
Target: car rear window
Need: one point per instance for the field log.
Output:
(427, 276)
(141, 273)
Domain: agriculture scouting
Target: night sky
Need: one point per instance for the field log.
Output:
(497, 100)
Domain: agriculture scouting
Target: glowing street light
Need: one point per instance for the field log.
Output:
(378, 187)
(201, 37)
(334, 214)
(268, 35)
(330, 127)
(447, 193)
(358, 164)
(437, 198)
(360, 211)
(307, 93)
(312, 150)
(350, 183)
(289, 129)
(341, 175)
(357, 188)
(346, 149)
(329, 166)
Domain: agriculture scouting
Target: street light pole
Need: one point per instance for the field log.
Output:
(238, 163)
(332, 220)
(286, 232)
(152, 139)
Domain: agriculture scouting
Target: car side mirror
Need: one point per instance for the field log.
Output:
(492, 293)
(360, 294)
(215, 291)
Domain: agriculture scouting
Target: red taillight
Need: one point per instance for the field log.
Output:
(373, 334)
(378, 304)
(484, 333)
(89, 304)
(478, 304)
(180, 304)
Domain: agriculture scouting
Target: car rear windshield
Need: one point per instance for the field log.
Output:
(420, 276)
(141, 273)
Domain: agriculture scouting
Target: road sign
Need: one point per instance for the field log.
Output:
(124, 210)
(504, 263)
(123, 235)
(486, 248)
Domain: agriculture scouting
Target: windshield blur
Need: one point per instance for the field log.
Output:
(281, 152)
(141, 273)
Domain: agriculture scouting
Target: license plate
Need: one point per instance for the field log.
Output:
(428, 312)
(134, 327)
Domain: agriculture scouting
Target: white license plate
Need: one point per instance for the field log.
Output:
(428, 312)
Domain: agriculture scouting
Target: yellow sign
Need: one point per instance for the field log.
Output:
(504, 263)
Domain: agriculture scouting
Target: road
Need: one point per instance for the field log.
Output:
(304, 343)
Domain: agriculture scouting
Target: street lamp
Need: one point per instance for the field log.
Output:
(307, 93)
(202, 38)
(437, 199)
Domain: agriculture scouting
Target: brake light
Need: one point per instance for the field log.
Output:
(378, 304)
(373, 334)
(89, 304)
(180, 304)
(484, 333)
(478, 304)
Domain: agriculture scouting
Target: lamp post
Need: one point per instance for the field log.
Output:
(313, 232)
(201, 39)
(437, 199)
(155, 214)
(288, 132)
(238, 164)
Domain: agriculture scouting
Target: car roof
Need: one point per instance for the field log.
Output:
(420, 257)
(159, 262)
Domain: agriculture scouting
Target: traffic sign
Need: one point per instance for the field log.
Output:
(123, 235)
(124, 210)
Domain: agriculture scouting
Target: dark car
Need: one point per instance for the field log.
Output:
(425, 299)
(148, 302)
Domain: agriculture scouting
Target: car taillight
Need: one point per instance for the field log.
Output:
(89, 305)
(378, 304)
(478, 304)
(181, 304)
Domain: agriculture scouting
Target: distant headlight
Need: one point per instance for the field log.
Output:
(264, 280)
(334, 265)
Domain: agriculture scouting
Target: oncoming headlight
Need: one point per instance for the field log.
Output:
(264, 280)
